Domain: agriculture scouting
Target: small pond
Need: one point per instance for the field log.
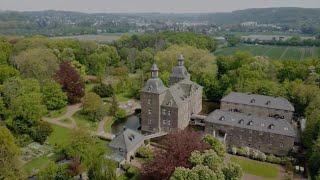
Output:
(132, 122)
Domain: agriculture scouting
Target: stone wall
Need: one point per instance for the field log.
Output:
(264, 141)
(150, 111)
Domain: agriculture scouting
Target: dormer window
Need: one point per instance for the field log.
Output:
(131, 137)
(285, 128)
(268, 102)
(149, 88)
(241, 121)
(252, 100)
(222, 118)
(250, 123)
(271, 126)
(169, 103)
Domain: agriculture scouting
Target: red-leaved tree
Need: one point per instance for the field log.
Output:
(70, 81)
(177, 148)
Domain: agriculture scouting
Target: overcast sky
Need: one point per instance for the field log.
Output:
(176, 6)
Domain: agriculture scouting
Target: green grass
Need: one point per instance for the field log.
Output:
(66, 120)
(36, 164)
(83, 121)
(107, 127)
(256, 168)
(60, 136)
(274, 52)
(57, 113)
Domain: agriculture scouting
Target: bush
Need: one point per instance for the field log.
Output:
(144, 152)
(234, 150)
(103, 90)
(40, 132)
(120, 115)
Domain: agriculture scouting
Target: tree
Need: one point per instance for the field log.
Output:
(28, 107)
(7, 72)
(114, 106)
(314, 159)
(233, 40)
(41, 131)
(103, 90)
(232, 171)
(177, 149)
(70, 81)
(9, 156)
(102, 169)
(54, 172)
(93, 106)
(53, 96)
(15, 87)
(216, 145)
(6, 50)
(40, 64)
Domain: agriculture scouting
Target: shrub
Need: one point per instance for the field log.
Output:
(40, 132)
(262, 156)
(234, 150)
(103, 90)
(144, 152)
(120, 115)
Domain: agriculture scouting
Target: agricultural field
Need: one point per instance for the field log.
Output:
(274, 52)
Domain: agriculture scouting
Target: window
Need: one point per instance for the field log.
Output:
(164, 121)
(169, 112)
(149, 121)
(164, 112)
(250, 139)
(281, 145)
(149, 111)
(149, 101)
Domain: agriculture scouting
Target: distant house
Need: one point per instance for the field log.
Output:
(125, 145)
(166, 109)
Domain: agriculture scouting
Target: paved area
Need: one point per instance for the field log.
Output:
(71, 110)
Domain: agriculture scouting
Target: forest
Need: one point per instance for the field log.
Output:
(39, 75)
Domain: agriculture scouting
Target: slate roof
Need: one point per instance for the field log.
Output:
(179, 92)
(266, 124)
(154, 85)
(126, 140)
(258, 100)
(180, 72)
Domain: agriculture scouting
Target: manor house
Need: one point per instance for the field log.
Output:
(165, 109)
(259, 122)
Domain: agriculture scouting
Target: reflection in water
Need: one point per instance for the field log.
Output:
(132, 122)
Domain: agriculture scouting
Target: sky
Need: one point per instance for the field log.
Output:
(167, 6)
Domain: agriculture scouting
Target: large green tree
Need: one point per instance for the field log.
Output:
(9, 156)
(53, 96)
(36, 63)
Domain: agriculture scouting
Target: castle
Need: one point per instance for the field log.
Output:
(166, 109)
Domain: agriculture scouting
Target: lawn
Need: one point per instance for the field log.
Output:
(60, 136)
(274, 52)
(82, 120)
(256, 168)
(57, 113)
(36, 164)
(109, 122)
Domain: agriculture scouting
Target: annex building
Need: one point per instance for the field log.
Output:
(165, 109)
(256, 121)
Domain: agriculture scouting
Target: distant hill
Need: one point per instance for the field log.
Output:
(65, 23)
(283, 15)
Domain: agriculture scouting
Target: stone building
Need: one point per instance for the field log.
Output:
(165, 109)
(125, 145)
(264, 106)
(256, 121)
(267, 134)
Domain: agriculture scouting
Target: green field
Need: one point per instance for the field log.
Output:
(257, 168)
(274, 52)
(60, 136)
